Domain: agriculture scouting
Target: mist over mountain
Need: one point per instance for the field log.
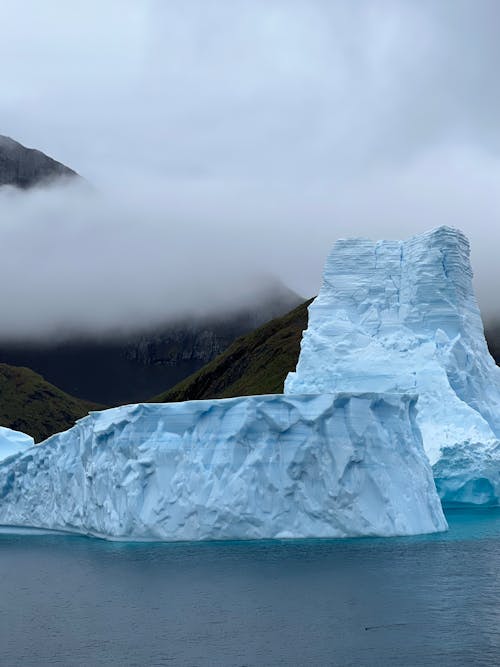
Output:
(23, 167)
(116, 296)
(132, 368)
(108, 300)
(90, 263)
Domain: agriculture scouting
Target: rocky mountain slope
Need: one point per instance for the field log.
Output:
(254, 364)
(26, 167)
(32, 405)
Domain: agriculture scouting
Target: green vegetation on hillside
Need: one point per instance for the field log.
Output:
(30, 404)
(254, 364)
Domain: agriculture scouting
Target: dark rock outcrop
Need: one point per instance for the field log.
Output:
(23, 167)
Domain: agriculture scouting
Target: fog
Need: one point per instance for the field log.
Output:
(227, 142)
(78, 261)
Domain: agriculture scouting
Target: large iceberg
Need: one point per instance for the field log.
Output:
(394, 376)
(254, 467)
(12, 442)
(401, 316)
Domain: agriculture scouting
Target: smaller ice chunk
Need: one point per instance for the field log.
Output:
(469, 474)
(12, 442)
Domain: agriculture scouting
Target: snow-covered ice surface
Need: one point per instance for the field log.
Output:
(401, 316)
(12, 442)
(255, 467)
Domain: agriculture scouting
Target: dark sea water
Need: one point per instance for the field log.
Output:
(413, 601)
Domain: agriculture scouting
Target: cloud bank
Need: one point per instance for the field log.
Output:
(230, 140)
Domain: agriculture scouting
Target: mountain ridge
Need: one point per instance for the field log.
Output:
(24, 168)
(256, 363)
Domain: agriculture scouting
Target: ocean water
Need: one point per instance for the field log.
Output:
(431, 600)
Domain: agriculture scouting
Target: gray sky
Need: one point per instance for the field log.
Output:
(245, 136)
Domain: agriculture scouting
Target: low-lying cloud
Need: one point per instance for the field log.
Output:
(78, 260)
(230, 141)
(81, 262)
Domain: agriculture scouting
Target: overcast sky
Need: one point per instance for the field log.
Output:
(263, 129)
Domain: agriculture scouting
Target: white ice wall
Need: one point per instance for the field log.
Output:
(255, 467)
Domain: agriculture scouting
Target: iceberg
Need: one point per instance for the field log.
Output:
(392, 411)
(273, 466)
(12, 442)
(401, 316)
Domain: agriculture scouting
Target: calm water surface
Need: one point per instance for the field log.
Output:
(414, 601)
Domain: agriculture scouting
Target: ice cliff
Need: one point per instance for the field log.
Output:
(12, 442)
(255, 467)
(401, 316)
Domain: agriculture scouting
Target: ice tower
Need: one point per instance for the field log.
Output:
(401, 316)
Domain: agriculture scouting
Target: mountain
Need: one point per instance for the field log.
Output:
(254, 364)
(26, 167)
(32, 405)
(118, 370)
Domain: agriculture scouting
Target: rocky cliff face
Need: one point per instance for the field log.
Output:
(128, 370)
(201, 341)
(25, 167)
